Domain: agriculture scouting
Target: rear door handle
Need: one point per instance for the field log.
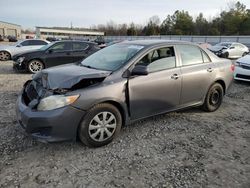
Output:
(175, 76)
(210, 70)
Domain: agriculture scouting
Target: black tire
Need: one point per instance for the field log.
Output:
(245, 53)
(213, 98)
(38, 63)
(225, 55)
(84, 130)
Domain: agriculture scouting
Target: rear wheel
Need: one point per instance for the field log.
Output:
(35, 66)
(225, 55)
(245, 53)
(4, 56)
(100, 125)
(214, 98)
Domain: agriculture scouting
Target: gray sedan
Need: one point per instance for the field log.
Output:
(120, 84)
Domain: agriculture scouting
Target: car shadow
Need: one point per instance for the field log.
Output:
(7, 68)
(241, 82)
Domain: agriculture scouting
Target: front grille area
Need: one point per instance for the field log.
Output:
(33, 92)
(29, 92)
(243, 76)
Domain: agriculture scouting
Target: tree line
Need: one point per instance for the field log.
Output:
(234, 21)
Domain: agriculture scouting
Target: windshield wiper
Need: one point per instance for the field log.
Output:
(88, 66)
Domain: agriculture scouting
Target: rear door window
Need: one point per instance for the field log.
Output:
(60, 47)
(79, 46)
(190, 55)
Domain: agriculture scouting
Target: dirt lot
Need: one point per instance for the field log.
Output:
(190, 148)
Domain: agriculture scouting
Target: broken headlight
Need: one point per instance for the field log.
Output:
(56, 101)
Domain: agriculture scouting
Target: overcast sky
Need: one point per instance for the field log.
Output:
(85, 13)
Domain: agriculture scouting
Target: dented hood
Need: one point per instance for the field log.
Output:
(217, 48)
(66, 76)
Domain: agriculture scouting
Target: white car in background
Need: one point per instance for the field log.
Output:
(242, 69)
(229, 49)
(8, 51)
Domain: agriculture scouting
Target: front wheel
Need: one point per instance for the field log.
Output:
(4, 56)
(35, 66)
(225, 55)
(245, 53)
(213, 98)
(100, 125)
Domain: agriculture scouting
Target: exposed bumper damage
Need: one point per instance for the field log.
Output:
(49, 126)
(58, 124)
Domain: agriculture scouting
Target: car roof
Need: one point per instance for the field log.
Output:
(88, 42)
(31, 39)
(156, 42)
(22, 40)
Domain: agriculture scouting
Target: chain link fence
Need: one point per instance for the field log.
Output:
(206, 39)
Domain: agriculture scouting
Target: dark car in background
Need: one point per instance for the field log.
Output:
(1, 38)
(12, 38)
(53, 54)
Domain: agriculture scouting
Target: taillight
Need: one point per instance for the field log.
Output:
(232, 67)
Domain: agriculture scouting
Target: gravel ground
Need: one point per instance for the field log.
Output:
(189, 148)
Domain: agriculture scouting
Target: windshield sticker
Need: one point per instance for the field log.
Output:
(136, 47)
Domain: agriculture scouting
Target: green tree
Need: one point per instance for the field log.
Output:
(201, 25)
(232, 20)
(245, 25)
(183, 23)
(131, 30)
(166, 27)
(153, 27)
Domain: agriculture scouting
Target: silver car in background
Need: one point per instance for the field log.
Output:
(8, 51)
(242, 69)
(120, 84)
(229, 49)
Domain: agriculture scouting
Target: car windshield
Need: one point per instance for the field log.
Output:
(45, 47)
(16, 43)
(224, 44)
(113, 57)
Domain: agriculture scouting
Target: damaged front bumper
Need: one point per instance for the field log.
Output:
(49, 126)
(18, 66)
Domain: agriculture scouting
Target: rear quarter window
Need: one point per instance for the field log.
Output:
(206, 59)
(40, 42)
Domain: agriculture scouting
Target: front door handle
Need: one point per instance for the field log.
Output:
(175, 76)
(210, 70)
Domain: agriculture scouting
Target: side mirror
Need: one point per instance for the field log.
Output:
(140, 70)
(50, 51)
(232, 47)
(18, 46)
